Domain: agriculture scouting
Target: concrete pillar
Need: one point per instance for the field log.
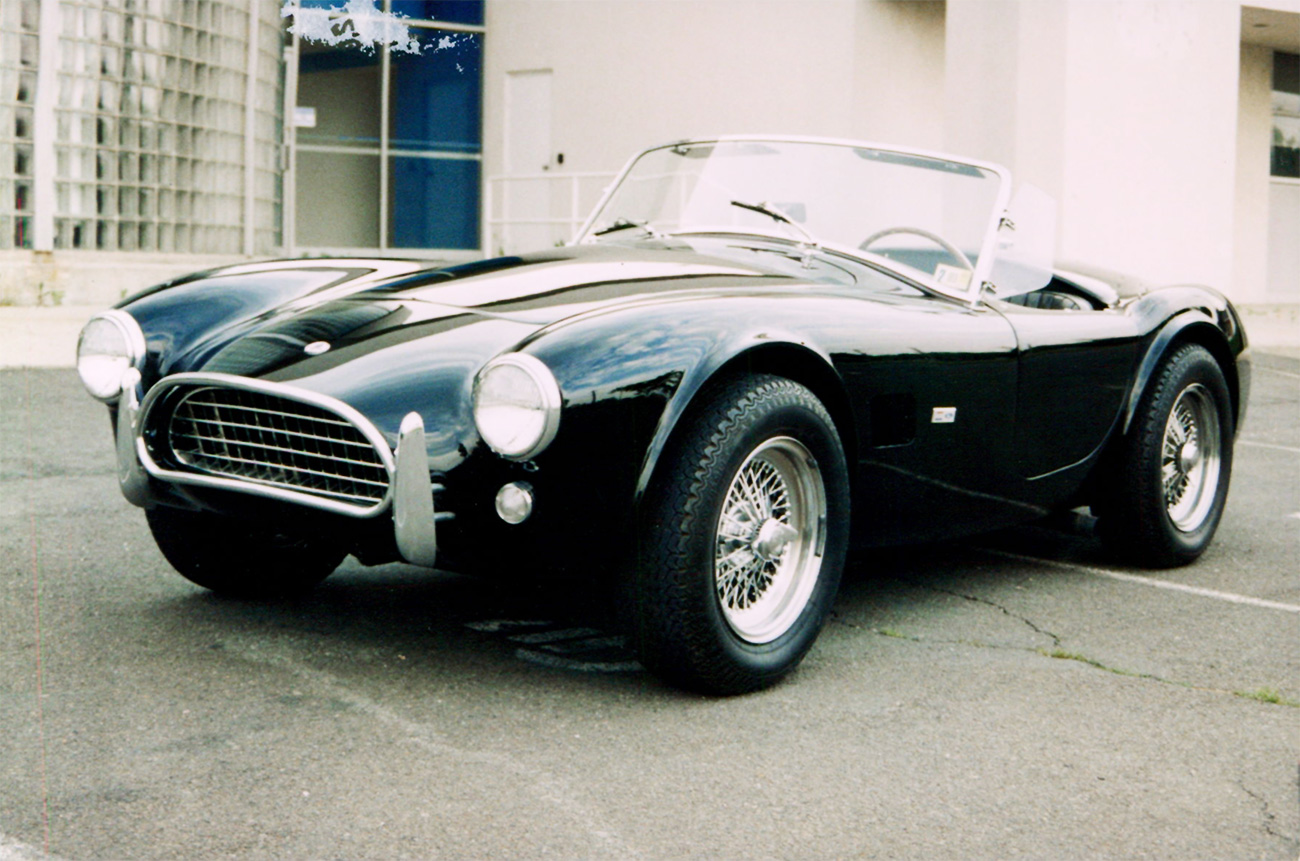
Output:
(1126, 112)
(44, 128)
(1254, 140)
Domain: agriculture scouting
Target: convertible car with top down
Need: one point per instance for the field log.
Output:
(756, 351)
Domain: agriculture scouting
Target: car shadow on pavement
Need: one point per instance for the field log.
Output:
(400, 616)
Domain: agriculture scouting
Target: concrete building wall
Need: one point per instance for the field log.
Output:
(898, 73)
(1126, 112)
(630, 74)
(1251, 213)
(1151, 138)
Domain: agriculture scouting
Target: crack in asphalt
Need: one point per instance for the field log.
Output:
(975, 599)
(1057, 653)
(1270, 818)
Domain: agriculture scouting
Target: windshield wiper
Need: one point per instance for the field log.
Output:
(624, 224)
(776, 213)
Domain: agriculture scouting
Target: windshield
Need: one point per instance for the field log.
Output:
(932, 218)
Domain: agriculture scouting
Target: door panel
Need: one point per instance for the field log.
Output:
(934, 397)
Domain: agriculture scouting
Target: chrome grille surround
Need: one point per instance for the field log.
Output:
(267, 439)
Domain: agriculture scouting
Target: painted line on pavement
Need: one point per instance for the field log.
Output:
(1230, 597)
(1282, 373)
(1252, 443)
(15, 850)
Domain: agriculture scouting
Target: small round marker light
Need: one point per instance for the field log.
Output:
(515, 502)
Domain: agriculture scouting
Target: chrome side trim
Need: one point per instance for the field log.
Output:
(413, 517)
(325, 402)
(130, 474)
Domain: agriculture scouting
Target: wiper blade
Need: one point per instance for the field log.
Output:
(624, 224)
(776, 213)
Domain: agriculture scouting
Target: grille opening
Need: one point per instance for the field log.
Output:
(276, 441)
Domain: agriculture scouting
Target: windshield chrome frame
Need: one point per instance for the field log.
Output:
(971, 296)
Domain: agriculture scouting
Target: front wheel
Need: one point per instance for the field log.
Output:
(239, 558)
(1168, 496)
(743, 539)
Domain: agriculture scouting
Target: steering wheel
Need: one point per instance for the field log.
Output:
(925, 234)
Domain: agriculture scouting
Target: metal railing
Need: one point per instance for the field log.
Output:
(528, 212)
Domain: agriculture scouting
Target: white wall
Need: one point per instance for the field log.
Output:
(898, 73)
(1151, 136)
(1125, 111)
(631, 73)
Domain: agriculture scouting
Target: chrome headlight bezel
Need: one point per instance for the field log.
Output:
(503, 432)
(103, 379)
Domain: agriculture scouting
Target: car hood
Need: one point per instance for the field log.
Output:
(421, 338)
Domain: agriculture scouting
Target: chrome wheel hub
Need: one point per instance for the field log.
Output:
(769, 539)
(772, 538)
(1190, 464)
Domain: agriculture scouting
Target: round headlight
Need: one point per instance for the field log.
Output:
(110, 344)
(516, 405)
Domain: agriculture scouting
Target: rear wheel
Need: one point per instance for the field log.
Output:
(1168, 496)
(744, 540)
(239, 558)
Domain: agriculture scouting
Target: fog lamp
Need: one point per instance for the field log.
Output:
(515, 502)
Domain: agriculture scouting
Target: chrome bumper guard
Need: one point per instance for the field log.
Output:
(131, 476)
(414, 518)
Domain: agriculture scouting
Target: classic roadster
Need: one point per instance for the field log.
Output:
(757, 350)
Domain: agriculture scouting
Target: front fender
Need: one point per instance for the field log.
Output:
(630, 377)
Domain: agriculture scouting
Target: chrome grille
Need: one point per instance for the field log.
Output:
(276, 441)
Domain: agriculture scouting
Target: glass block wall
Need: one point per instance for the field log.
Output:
(148, 133)
(18, 53)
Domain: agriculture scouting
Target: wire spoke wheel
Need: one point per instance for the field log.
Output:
(768, 546)
(1189, 465)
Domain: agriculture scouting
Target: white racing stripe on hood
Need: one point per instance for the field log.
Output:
(492, 287)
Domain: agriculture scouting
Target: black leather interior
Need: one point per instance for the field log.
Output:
(1052, 300)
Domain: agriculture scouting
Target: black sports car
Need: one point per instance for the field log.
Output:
(756, 351)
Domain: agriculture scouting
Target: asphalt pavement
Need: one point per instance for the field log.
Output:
(1017, 695)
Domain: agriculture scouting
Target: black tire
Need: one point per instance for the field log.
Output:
(238, 558)
(726, 609)
(1167, 496)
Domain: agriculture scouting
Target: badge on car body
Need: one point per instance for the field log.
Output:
(943, 415)
(315, 348)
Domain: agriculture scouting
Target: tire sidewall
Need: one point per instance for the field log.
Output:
(795, 414)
